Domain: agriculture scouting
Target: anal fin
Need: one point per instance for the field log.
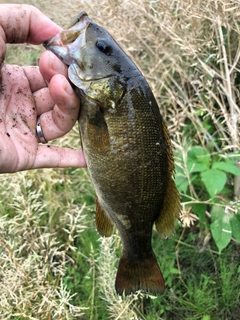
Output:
(103, 223)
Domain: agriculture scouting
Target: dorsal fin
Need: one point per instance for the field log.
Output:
(170, 210)
(171, 205)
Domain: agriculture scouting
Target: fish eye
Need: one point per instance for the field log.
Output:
(104, 47)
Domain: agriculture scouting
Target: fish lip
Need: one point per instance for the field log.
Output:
(80, 16)
(63, 43)
(64, 38)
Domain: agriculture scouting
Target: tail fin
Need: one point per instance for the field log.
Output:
(133, 275)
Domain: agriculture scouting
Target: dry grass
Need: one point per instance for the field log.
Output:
(119, 308)
(32, 261)
(189, 52)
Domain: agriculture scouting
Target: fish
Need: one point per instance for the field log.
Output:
(127, 148)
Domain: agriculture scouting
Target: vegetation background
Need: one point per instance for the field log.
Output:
(53, 264)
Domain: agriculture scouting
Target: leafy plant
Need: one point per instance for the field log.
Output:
(208, 178)
(224, 226)
(210, 170)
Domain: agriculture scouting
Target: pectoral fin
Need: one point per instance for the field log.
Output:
(97, 130)
(103, 223)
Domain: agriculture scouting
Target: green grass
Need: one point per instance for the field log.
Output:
(49, 247)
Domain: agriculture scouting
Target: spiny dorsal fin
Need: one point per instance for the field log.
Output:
(169, 148)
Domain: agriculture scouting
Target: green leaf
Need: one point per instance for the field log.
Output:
(216, 211)
(214, 181)
(235, 224)
(181, 183)
(206, 317)
(174, 271)
(180, 180)
(198, 159)
(227, 167)
(200, 210)
(224, 30)
(220, 227)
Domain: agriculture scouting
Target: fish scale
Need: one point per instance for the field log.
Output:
(127, 149)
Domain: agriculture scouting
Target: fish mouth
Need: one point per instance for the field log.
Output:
(65, 43)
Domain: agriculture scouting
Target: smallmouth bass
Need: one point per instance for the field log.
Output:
(127, 149)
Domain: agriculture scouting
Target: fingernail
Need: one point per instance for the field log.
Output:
(55, 64)
(68, 88)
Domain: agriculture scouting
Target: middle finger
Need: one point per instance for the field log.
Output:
(59, 120)
(43, 100)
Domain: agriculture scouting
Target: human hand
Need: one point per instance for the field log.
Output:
(29, 92)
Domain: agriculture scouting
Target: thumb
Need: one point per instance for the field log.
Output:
(25, 23)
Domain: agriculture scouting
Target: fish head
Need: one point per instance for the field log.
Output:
(89, 51)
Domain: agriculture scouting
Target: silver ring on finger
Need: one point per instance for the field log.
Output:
(39, 132)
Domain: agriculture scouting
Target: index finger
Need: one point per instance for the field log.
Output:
(50, 65)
